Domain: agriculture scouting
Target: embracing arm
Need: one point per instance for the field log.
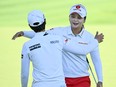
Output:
(76, 47)
(25, 62)
(95, 55)
(28, 34)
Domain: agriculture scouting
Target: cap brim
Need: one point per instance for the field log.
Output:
(77, 12)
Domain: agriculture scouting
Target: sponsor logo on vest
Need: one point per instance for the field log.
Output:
(55, 41)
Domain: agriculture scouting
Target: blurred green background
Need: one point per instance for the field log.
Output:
(101, 17)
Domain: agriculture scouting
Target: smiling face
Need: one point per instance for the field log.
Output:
(76, 21)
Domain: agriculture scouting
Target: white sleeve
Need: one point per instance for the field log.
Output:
(55, 31)
(29, 34)
(76, 47)
(25, 62)
(95, 55)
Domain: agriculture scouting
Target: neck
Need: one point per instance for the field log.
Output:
(76, 30)
(40, 31)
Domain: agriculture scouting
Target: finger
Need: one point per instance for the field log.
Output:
(100, 41)
(96, 33)
(101, 33)
(102, 36)
(14, 37)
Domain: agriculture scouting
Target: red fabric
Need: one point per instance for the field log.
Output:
(78, 82)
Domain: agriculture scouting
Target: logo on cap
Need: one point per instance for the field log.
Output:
(79, 9)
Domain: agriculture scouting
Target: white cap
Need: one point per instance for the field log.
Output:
(79, 9)
(34, 17)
